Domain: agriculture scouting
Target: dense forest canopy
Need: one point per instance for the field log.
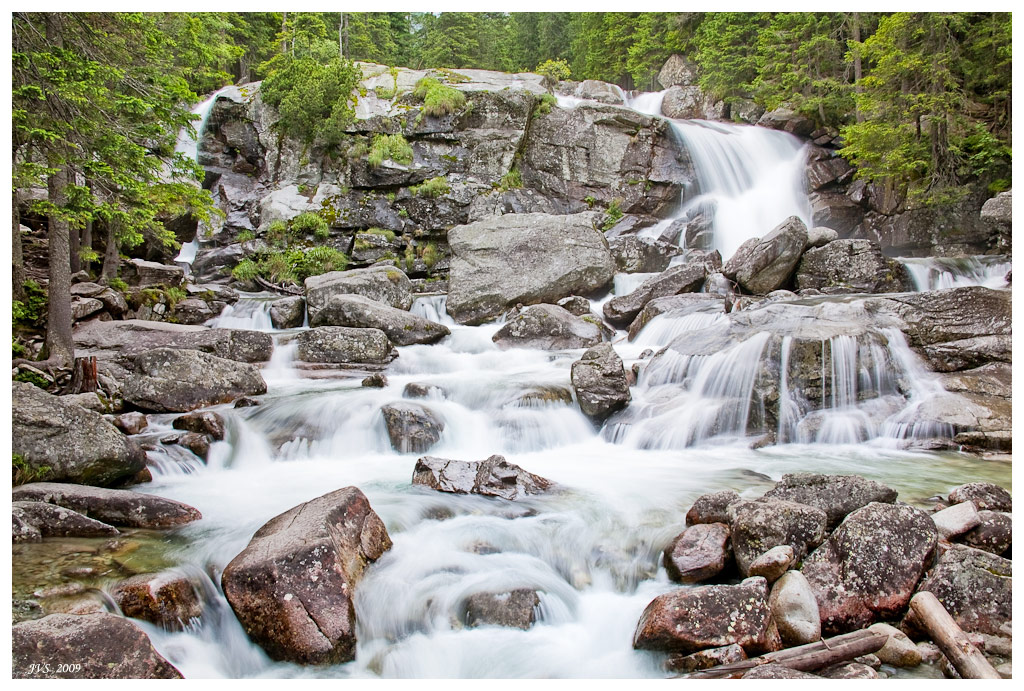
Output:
(922, 100)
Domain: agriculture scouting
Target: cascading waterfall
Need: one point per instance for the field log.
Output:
(591, 548)
(938, 273)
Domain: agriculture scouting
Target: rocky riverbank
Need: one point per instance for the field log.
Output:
(805, 336)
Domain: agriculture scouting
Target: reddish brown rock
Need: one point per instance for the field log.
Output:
(975, 587)
(34, 520)
(758, 526)
(698, 553)
(776, 671)
(868, 568)
(292, 586)
(686, 620)
(985, 495)
(994, 534)
(89, 646)
(119, 507)
(167, 599)
(201, 422)
(836, 495)
(773, 563)
(712, 508)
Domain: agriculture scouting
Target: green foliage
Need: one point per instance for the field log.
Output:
(278, 231)
(245, 270)
(22, 472)
(543, 105)
(310, 223)
(292, 265)
(433, 188)
(313, 98)
(431, 255)
(513, 179)
(174, 296)
(32, 310)
(438, 99)
(726, 45)
(553, 72)
(390, 146)
(590, 201)
(31, 378)
(18, 350)
(118, 284)
(388, 235)
(245, 236)
(612, 215)
(410, 258)
(385, 92)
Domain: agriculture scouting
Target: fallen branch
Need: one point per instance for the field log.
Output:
(279, 288)
(952, 641)
(804, 658)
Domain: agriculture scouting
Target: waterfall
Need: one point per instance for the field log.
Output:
(938, 273)
(189, 145)
(251, 312)
(433, 308)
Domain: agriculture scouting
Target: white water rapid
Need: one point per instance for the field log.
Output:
(591, 549)
(937, 273)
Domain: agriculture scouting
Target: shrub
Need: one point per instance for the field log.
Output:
(612, 215)
(434, 187)
(32, 378)
(410, 258)
(431, 255)
(544, 105)
(553, 72)
(174, 296)
(32, 310)
(118, 284)
(385, 92)
(388, 234)
(245, 271)
(23, 473)
(438, 99)
(246, 236)
(320, 260)
(512, 179)
(390, 146)
(277, 231)
(310, 222)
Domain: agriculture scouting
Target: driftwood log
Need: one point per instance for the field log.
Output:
(282, 288)
(952, 641)
(804, 658)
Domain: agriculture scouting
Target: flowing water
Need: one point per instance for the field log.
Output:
(592, 548)
(938, 273)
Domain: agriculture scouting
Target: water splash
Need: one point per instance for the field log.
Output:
(251, 312)
(940, 273)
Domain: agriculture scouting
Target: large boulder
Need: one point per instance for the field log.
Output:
(292, 587)
(34, 520)
(993, 534)
(855, 581)
(851, 266)
(999, 209)
(492, 477)
(123, 340)
(985, 495)
(599, 380)
(547, 327)
(836, 495)
(148, 274)
(758, 526)
(787, 120)
(634, 254)
(88, 646)
(762, 265)
(686, 620)
(712, 508)
(385, 284)
(401, 327)
(119, 507)
(288, 313)
(975, 587)
(677, 71)
(595, 90)
(412, 428)
(698, 553)
(685, 278)
(65, 442)
(690, 102)
(342, 344)
(167, 380)
(500, 261)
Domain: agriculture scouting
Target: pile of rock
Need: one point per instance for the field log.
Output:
(823, 555)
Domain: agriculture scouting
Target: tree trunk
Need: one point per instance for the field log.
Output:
(284, 36)
(858, 70)
(84, 377)
(60, 346)
(343, 35)
(74, 238)
(17, 260)
(87, 244)
(111, 255)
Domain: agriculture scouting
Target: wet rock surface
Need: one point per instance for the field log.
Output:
(548, 327)
(599, 380)
(690, 619)
(288, 313)
(412, 428)
(494, 477)
(851, 266)
(836, 495)
(515, 609)
(401, 327)
(292, 586)
(686, 278)
(762, 265)
(166, 599)
(34, 520)
(698, 553)
(712, 508)
(758, 526)
(122, 341)
(94, 646)
(342, 344)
